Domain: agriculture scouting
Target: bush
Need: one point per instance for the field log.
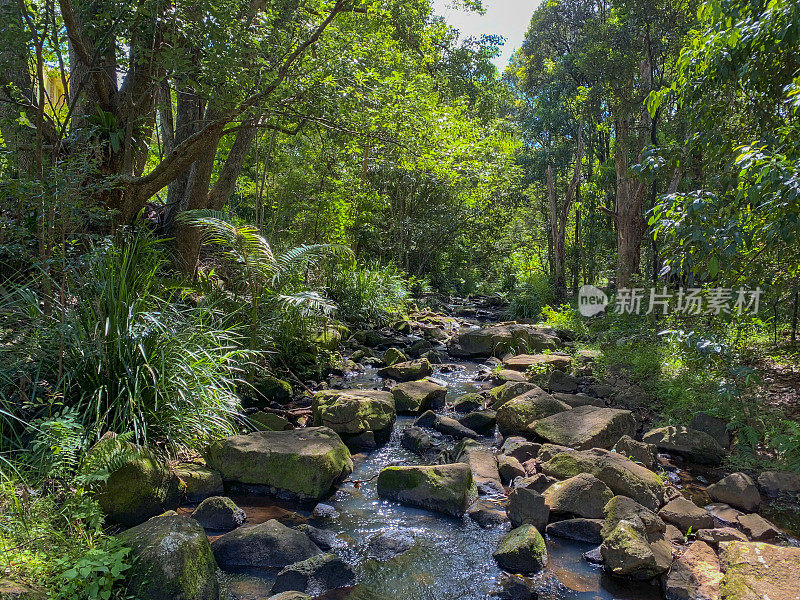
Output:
(366, 294)
(527, 301)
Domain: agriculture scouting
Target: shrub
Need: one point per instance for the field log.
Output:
(367, 294)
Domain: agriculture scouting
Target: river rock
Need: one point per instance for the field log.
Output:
(756, 571)
(640, 452)
(517, 415)
(449, 489)
(407, 371)
(634, 542)
(418, 348)
(775, 483)
(714, 426)
(140, 487)
(575, 400)
(724, 514)
(483, 464)
(412, 397)
(487, 513)
(538, 482)
(269, 544)
(510, 468)
(417, 440)
(353, 412)
(507, 375)
(315, 575)
(290, 596)
(496, 340)
(482, 422)
(467, 403)
(586, 427)
(522, 550)
(558, 381)
(623, 476)
(301, 463)
(758, 528)
(426, 419)
(171, 559)
(582, 496)
(720, 534)
(738, 490)
(579, 530)
(523, 362)
(527, 506)
(453, 428)
(520, 448)
(548, 451)
(685, 514)
(219, 513)
(393, 356)
(200, 481)
(694, 445)
(695, 575)
(503, 393)
(511, 587)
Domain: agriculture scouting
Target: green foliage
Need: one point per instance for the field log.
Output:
(565, 317)
(528, 299)
(366, 294)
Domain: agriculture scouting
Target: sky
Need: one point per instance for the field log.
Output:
(508, 18)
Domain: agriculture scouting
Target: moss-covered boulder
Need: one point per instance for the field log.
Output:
(696, 446)
(482, 422)
(640, 452)
(13, 590)
(269, 421)
(754, 571)
(496, 340)
(172, 560)
(407, 371)
(393, 356)
(523, 362)
(200, 482)
(623, 476)
(634, 541)
(583, 496)
(522, 550)
(448, 489)
(586, 427)
(315, 575)
(503, 393)
(219, 513)
(270, 544)
(352, 412)
(467, 403)
(413, 397)
(329, 339)
(141, 486)
(301, 463)
(273, 388)
(516, 416)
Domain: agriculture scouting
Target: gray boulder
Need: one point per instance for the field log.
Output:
(586, 427)
(522, 550)
(582, 496)
(411, 370)
(738, 490)
(579, 530)
(219, 513)
(315, 576)
(694, 445)
(527, 506)
(448, 489)
(412, 397)
(496, 340)
(269, 544)
(685, 514)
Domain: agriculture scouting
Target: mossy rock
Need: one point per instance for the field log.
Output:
(516, 416)
(522, 550)
(503, 393)
(412, 397)
(300, 463)
(139, 488)
(354, 411)
(172, 559)
(393, 356)
(583, 496)
(275, 389)
(467, 403)
(448, 489)
(200, 481)
(627, 553)
(11, 590)
(697, 446)
(290, 596)
(755, 570)
(329, 339)
(269, 421)
(586, 427)
(411, 370)
(496, 340)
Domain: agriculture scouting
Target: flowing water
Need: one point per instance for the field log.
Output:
(446, 559)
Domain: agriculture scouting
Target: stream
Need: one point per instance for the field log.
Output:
(446, 559)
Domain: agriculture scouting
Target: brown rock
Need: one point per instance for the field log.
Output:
(738, 490)
(758, 528)
(685, 514)
(756, 571)
(695, 575)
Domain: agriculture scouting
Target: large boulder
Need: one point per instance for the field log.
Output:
(695, 575)
(316, 575)
(694, 445)
(640, 452)
(738, 490)
(453, 428)
(713, 426)
(579, 530)
(583, 496)
(758, 528)
(634, 541)
(412, 397)
(200, 481)
(527, 506)
(623, 476)
(482, 422)
(516, 416)
(417, 440)
(354, 412)
(755, 571)
(523, 362)
(685, 514)
(270, 544)
(775, 483)
(448, 489)
(219, 513)
(301, 463)
(407, 371)
(503, 393)
(522, 550)
(467, 403)
(483, 464)
(586, 427)
(560, 382)
(520, 448)
(393, 356)
(498, 339)
(172, 560)
(140, 487)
